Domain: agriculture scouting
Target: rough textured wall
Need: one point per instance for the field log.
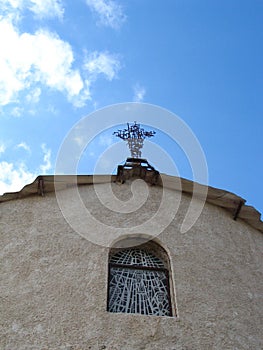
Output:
(54, 282)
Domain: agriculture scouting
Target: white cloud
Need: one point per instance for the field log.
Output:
(102, 63)
(92, 154)
(52, 109)
(80, 141)
(16, 112)
(24, 146)
(40, 58)
(34, 95)
(2, 148)
(41, 8)
(110, 12)
(30, 62)
(46, 161)
(8, 5)
(13, 178)
(105, 140)
(47, 8)
(139, 93)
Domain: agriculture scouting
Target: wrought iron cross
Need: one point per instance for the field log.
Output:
(134, 135)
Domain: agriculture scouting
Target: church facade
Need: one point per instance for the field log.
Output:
(67, 290)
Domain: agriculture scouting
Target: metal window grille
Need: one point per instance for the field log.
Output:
(138, 283)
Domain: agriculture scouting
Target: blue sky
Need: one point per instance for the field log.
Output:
(61, 60)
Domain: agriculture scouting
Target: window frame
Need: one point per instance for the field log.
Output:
(142, 268)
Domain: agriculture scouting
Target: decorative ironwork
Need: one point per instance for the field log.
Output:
(134, 135)
(136, 257)
(138, 283)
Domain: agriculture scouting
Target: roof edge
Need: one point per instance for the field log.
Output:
(221, 198)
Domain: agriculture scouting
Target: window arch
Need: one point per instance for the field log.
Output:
(138, 282)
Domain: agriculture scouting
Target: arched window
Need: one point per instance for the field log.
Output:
(138, 283)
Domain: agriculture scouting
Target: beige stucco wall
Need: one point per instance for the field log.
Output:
(54, 281)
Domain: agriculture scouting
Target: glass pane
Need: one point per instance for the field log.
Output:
(135, 290)
(137, 257)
